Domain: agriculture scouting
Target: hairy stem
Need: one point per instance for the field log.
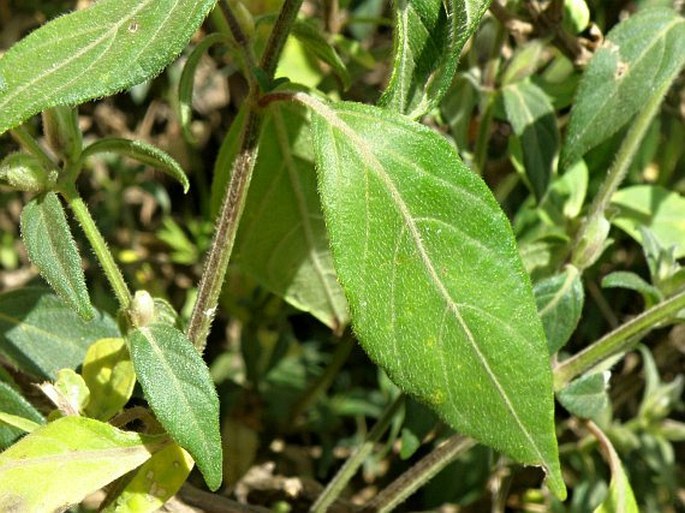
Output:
(617, 341)
(350, 467)
(97, 242)
(26, 141)
(220, 251)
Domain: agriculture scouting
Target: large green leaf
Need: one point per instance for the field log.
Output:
(428, 38)
(282, 239)
(60, 463)
(654, 207)
(531, 115)
(40, 334)
(637, 57)
(93, 53)
(179, 388)
(438, 293)
(51, 248)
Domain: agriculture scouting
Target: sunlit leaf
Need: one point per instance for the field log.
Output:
(108, 372)
(418, 242)
(60, 463)
(94, 52)
(179, 388)
(428, 38)
(654, 207)
(647, 48)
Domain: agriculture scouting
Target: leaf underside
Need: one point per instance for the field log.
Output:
(418, 241)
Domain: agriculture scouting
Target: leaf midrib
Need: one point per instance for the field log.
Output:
(368, 157)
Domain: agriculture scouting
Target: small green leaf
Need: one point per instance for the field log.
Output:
(94, 52)
(282, 239)
(179, 388)
(314, 42)
(21, 424)
(560, 301)
(13, 403)
(142, 152)
(647, 48)
(628, 280)
(657, 208)
(418, 240)
(41, 335)
(620, 498)
(51, 248)
(429, 36)
(108, 372)
(60, 463)
(154, 483)
(531, 115)
(73, 389)
(587, 397)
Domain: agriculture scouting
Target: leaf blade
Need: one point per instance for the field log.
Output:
(429, 36)
(74, 456)
(179, 388)
(93, 53)
(51, 248)
(378, 204)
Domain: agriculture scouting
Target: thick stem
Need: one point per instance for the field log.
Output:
(350, 467)
(97, 242)
(278, 36)
(418, 475)
(220, 251)
(219, 255)
(617, 341)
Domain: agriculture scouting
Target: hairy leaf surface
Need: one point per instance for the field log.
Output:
(51, 248)
(637, 57)
(179, 388)
(94, 52)
(438, 293)
(428, 38)
(12, 402)
(40, 334)
(60, 463)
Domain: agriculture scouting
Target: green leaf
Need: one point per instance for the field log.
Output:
(41, 335)
(13, 403)
(620, 498)
(657, 208)
(428, 38)
(20, 423)
(628, 280)
(587, 397)
(418, 241)
(94, 52)
(647, 48)
(73, 389)
(154, 483)
(108, 372)
(314, 42)
(560, 301)
(531, 115)
(180, 391)
(142, 152)
(282, 239)
(51, 248)
(60, 463)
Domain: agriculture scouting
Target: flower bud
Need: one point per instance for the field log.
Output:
(142, 310)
